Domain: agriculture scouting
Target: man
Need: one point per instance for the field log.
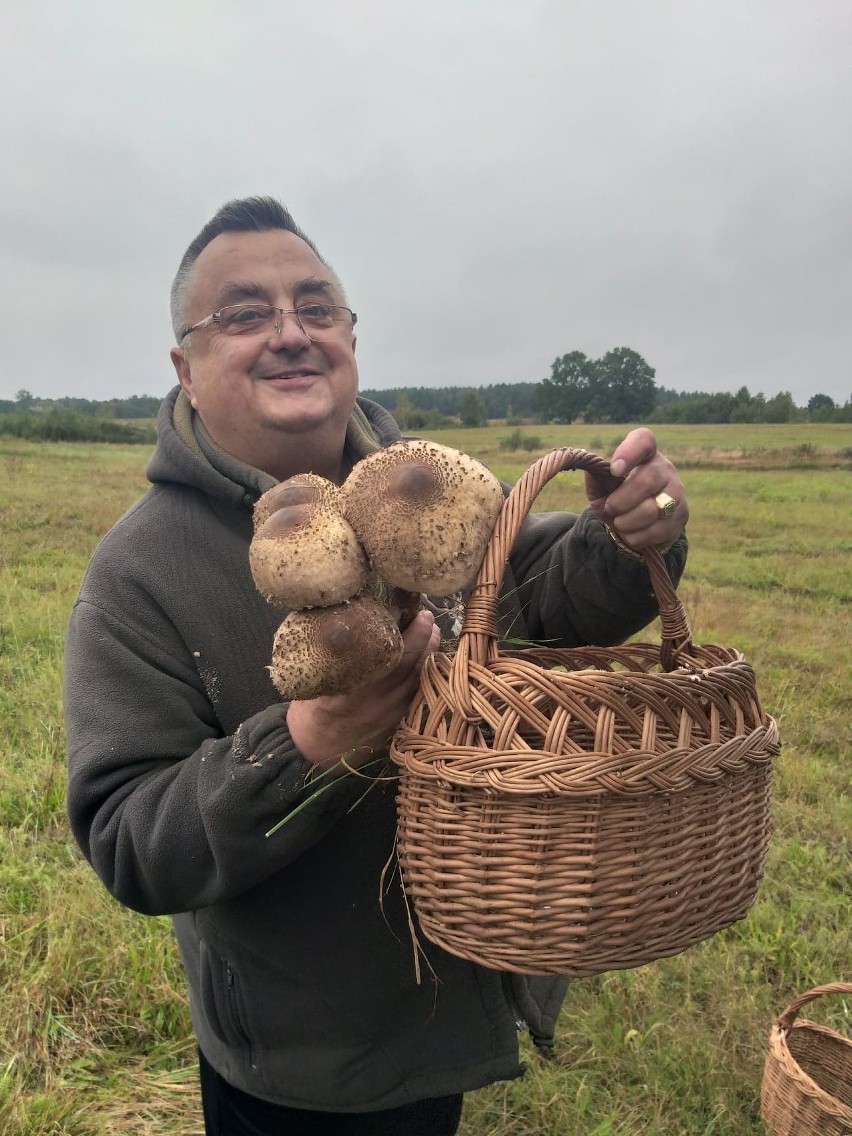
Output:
(182, 757)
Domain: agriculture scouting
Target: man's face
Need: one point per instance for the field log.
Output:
(251, 390)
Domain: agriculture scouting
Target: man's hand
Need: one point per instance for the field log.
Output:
(636, 508)
(355, 725)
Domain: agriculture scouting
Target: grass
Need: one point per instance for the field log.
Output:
(786, 445)
(95, 1034)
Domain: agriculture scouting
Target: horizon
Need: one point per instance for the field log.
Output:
(367, 391)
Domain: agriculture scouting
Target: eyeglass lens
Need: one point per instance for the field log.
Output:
(240, 318)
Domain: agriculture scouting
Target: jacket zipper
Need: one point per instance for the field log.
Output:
(234, 1013)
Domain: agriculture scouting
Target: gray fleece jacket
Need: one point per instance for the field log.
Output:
(297, 946)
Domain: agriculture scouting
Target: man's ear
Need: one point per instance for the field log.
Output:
(182, 369)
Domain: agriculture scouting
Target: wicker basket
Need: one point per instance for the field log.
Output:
(807, 1079)
(577, 811)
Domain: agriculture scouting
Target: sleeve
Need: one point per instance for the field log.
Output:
(171, 815)
(574, 587)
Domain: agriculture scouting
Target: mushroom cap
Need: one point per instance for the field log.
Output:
(334, 650)
(302, 489)
(303, 553)
(424, 514)
(310, 564)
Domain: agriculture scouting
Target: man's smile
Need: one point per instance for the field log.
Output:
(290, 374)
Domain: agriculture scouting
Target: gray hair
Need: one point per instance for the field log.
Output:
(242, 215)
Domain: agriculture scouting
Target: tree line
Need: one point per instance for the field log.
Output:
(618, 387)
(135, 406)
(418, 408)
(79, 419)
(57, 425)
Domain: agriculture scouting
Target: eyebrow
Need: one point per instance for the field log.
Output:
(325, 288)
(238, 290)
(233, 290)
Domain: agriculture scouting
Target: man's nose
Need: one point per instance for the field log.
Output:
(290, 336)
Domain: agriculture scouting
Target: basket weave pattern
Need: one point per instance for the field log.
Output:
(591, 817)
(807, 1079)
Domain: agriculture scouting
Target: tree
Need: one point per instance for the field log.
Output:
(563, 396)
(473, 410)
(403, 409)
(621, 387)
(819, 402)
(780, 408)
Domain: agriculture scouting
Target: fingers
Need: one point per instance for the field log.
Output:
(636, 509)
(639, 447)
(433, 644)
(417, 635)
(646, 525)
(640, 510)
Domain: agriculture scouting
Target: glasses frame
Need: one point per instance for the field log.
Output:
(216, 317)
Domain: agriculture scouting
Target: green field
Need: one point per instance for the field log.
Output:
(95, 1035)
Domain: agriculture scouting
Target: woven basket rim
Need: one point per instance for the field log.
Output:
(435, 761)
(785, 1061)
(684, 674)
(625, 767)
(790, 1067)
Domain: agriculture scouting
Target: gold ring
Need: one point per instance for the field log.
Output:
(665, 504)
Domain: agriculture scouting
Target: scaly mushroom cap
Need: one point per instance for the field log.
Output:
(424, 514)
(303, 489)
(334, 650)
(304, 554)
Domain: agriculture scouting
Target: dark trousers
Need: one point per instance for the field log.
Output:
(231, 1112)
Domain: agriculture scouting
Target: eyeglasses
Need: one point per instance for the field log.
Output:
(317, 321)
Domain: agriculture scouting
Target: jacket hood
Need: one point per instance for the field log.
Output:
(186, 454)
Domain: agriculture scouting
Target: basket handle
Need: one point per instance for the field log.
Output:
(478, 637)
(785, 1021)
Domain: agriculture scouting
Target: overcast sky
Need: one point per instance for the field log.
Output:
(497, 183)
